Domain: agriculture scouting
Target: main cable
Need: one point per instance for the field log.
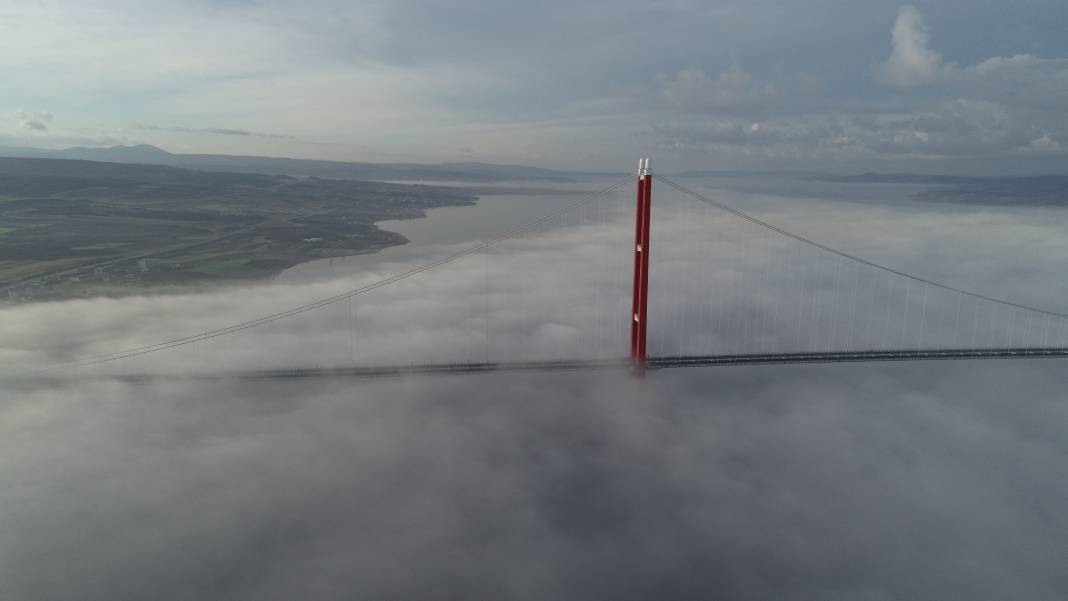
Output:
(824, 247)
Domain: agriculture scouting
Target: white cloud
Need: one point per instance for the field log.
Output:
(732, 91)
(339, 489)
(1046, 144)
(952, 128)
(911, 63)
(35, 121)
(1002, 106)
(1022, 82)
(222, 131)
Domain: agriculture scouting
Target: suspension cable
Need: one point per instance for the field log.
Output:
(810, 242)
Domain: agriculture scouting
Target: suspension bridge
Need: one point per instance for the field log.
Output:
(703, 284)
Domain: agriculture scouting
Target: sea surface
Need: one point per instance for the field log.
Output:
(495, 214)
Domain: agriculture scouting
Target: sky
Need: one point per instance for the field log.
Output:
(961, 86)
(939, 480)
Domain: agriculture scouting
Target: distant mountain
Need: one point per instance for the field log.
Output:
(151, 155)
(1036, 190)
(141, 153)
(748, 173)
(895, 178)
(80, 172)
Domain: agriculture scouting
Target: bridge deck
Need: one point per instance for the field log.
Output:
(654, 363)
(857, 357)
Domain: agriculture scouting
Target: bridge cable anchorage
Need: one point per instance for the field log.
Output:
(252, 323)
(737, 213)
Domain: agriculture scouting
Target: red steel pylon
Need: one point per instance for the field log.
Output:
(640, 300)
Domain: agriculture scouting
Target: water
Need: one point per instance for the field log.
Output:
(495, 214)
(491, 216)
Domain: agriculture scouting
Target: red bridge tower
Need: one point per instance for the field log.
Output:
(640, 303)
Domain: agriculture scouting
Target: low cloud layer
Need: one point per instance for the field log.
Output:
(529, 299)
(811, 483)
(819, 482)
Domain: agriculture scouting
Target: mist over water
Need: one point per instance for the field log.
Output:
(562, 289)
(818, 482)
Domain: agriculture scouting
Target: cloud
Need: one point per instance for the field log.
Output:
(778, 136)
(526, 83)
(222, 131)
(841, 482)
(1000, 107)
(911, 63)
(1025, 86)
(732, 91)
(1020, 83)
(33, 120)
(1046, 143)
(835, 482)
(960, 128)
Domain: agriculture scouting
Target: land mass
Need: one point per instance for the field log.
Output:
(1033, 190)
(73, 228)
(408, 172)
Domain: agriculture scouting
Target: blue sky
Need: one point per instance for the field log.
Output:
(955, 85)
